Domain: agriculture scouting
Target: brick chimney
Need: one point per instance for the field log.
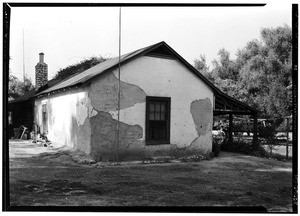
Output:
(41, 73)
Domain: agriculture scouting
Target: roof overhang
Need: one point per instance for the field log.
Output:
(224, 104)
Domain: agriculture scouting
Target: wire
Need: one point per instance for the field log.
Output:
(119, 91)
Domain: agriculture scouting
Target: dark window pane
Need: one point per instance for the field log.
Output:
(44, 118)
(44, 108)
(162, 116)
(162, 107)
(158, 130)
(157, 107)
(151, 117)
(152, 107)
(157, 116)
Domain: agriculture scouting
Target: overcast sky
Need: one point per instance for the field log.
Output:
(69, 35)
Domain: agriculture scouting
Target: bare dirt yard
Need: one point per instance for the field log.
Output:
(40, 176)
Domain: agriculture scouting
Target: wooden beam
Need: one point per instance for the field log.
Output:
(255, 138)
(236, 112)
(232, 104)
(287, 138)
(219, 103)
(230, 139)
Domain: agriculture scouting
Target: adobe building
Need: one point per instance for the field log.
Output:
(166, 107)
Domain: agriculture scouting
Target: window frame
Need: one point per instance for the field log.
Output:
(44, 118)
(150, 99)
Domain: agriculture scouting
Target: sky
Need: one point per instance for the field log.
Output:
(70, 34)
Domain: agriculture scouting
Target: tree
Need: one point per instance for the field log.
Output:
(201, 66)
(16, 88)
(225, 68)
(79, 67)
(261, 74)
(266, 71)
(279, 40)
(224, 73)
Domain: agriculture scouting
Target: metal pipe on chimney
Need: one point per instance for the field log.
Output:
(41, 57)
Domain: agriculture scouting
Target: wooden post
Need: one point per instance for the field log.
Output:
(287, 137)
(230, 129)
(248, 129)
(255, 138)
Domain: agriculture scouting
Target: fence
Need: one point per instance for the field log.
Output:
(281, 144)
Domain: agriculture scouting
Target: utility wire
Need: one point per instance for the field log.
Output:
(119, 91)
(23, 59)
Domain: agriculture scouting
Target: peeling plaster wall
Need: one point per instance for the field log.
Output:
(199, 111)
(68, 116)
(104, 99)
(191, 103)
(133, 115)
(104, 94)
(103, 145)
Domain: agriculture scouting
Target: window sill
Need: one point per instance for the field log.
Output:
(157, 142)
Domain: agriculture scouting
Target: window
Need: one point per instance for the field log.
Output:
(44, 116)
(10, 117)
(158, 120)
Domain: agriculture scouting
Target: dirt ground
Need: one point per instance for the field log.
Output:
(40, 176)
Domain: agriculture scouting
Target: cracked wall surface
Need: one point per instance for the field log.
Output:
(104, 94)
(103, 138)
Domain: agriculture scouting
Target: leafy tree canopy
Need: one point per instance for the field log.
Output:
(261, 74)
(79, 67)
(17, 88)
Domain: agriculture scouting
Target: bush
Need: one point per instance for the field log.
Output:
(216, 149)
(244, 148)
(217, 140)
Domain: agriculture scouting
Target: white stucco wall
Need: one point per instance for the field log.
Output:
(66, 113)
(166, 78)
